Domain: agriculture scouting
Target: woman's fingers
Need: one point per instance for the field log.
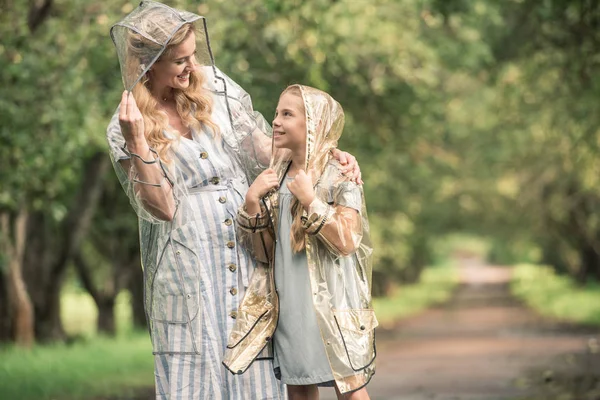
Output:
(123, 106)
(131, 106)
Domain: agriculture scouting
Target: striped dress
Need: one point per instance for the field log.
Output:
(190, 326)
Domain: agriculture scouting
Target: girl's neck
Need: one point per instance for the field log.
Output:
(298, 163)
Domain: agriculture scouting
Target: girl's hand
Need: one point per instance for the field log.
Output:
(263, 183)
(132, 123)
(349, 165)
(302, 188)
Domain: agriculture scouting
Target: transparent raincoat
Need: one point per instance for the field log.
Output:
(174, 252)
(338, 251)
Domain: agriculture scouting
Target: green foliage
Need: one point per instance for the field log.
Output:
(79, 313)
(435, 287)
(556, 295)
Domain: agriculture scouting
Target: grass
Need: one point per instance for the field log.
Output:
(90, 367)
(556, 296)
(436, 286)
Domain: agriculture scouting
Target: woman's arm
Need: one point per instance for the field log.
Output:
(144, 170)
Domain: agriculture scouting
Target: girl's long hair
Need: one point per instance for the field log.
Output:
(193, 104)
(297, 234)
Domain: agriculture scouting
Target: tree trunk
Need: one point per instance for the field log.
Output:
(54, 248)
(21, 309)
(106, 316)
(136, 289)
(5, 312)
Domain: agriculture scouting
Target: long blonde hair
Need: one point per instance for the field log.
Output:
(194, 97)
(297, 234)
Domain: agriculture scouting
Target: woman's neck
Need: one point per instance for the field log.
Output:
(163, 94)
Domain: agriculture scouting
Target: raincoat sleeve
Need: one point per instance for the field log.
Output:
(151, 191)
(255, 233)
(337, 225)
(251, 131)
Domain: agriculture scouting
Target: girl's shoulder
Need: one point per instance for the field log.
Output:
(333, 169)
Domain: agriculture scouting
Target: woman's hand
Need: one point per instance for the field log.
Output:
(349, 165)
(132, 123)
(302, 188)
(266, 181)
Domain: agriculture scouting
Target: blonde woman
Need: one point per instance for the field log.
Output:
(185, 143)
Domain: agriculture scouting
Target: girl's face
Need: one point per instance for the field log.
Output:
(289, 125)
(174, 71)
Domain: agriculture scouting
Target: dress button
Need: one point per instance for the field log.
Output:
(232, 267)
(204, 155)
(231, 244)
(222, 199)
(233, 314)
(228, 222)
(233, 291)
(215, 180)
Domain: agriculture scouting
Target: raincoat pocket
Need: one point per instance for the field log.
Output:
(357, 330)
(176, 291)
(249, 317)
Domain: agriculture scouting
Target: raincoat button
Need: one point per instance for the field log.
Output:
(233, 291)
(215, 180)
(228, 222)
(362, 328)
(233, 314)
(222, 199)
(230, 244)
(204, 155)
(232, 267)
(178, 252)
(189, 296)
(328, 343)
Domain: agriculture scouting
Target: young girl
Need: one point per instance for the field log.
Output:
(307, 225)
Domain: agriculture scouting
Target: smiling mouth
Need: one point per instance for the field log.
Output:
(184, 77)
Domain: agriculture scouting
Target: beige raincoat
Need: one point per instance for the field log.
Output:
(338, 251)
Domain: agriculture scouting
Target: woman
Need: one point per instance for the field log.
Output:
(185, 144)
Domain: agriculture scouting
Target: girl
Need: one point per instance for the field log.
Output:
(307, 226)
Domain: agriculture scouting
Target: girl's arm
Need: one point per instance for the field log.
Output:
(253, 219)
(339, 225)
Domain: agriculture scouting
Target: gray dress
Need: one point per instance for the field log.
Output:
(300, 357)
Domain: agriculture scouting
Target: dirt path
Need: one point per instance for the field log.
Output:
(479, 346)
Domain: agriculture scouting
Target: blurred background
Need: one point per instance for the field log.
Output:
(475, 123)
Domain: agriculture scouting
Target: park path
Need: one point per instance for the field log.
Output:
(479, 346)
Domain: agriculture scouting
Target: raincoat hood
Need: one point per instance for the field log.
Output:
(324, 126)
(143, 35)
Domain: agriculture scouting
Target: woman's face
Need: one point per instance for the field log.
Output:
(174, 70)
(289, 125)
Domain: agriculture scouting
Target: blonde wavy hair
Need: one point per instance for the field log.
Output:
(193, 98)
